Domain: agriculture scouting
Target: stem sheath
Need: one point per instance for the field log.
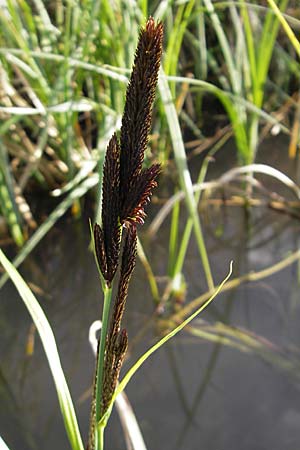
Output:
(100, 367)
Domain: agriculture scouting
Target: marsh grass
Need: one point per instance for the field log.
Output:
(56, 123)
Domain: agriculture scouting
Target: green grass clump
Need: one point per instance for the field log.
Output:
(64, 69)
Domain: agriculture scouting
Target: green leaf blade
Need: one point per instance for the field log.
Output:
(122, 385)
(49, 344)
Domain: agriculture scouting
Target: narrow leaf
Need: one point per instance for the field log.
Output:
(49, 344)
(3, 446)
(156, 346)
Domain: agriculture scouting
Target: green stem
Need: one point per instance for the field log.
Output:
(189, 224)
(173, 239)
(100, 437)
(203, 254)
(184, 174)
(149, 273)
(100, 366)
(253, 137)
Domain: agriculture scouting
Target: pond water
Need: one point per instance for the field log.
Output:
(193, 393)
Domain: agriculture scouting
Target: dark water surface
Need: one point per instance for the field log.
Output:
(193, 394)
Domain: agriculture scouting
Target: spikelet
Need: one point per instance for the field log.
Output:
(116, 342)
(107, 238)
(136, 122)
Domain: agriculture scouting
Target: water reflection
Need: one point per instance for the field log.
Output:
(229, 381)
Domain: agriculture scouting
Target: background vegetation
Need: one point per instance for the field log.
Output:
(231, 67)
(230, 71)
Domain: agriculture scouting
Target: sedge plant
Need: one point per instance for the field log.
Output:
(126, 189)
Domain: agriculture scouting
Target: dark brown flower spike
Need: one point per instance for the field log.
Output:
(116, 343)
(112, 367)
(136, 120)
(107, 238)
(140, 195)
(92, 429)
(127, 267)
(126, 186)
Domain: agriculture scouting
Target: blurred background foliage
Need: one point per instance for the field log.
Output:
(230, 72)
(232, 69)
